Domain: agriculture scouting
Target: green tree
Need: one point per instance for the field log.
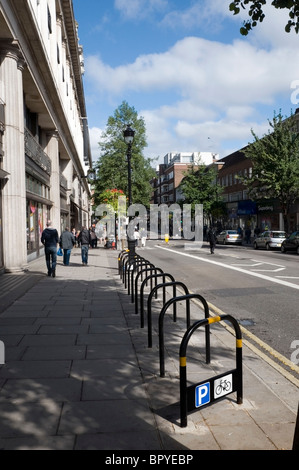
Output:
(112, 166)
(256, 13)
(275, 160)
(199, 186)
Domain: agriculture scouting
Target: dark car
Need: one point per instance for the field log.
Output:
(291, 243)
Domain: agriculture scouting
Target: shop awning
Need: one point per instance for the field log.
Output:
(246, 208)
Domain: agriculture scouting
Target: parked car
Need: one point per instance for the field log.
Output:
(291, 243)
(269, 239)
(229, 236)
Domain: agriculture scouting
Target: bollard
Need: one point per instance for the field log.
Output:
(138, 265)
(144, 282)
(121, 257)
(149, 305)
(128, 266)
(187, 297)
(136, 262)
(205, 393)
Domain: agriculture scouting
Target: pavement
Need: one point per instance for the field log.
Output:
(78, 373)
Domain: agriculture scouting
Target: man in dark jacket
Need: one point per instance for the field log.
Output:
(50, 240)
(67, 241)
(212, 239)
(85, 240)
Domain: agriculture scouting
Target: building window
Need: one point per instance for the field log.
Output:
(58, 54)
(36, 187)
(49, 21)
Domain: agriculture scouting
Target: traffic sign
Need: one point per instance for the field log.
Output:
(223, 386)
(202, 394)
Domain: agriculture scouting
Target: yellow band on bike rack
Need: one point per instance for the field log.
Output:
(238, 343)
(183, 361)
(214, 320)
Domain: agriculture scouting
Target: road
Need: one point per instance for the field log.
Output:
(260, 288)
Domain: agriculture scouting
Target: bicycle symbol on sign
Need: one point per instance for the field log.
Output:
(223, 386)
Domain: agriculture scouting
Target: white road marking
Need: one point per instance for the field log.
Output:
(234, 268)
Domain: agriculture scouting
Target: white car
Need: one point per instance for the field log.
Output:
(270, 239)
(229, 236)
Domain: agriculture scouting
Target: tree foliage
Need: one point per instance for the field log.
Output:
(199, 187)
(275, 159)
(256, 13)
(112, 166)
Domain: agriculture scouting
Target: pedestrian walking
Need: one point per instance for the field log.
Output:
(136, 236)
(84, 240)
(143, 235)
(100, 232)
(50, 240)
(248, 235)
(212, 239)
(94, 238)
(75, 236)
(67, 242)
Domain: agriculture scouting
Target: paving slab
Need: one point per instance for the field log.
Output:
(79, 374)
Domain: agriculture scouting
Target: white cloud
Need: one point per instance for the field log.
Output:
(95, 135)
(208, 73)
(213, 89)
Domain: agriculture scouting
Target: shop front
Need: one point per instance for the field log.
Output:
(38, 208)
(247, 214)
(268, 216)
(232, 209)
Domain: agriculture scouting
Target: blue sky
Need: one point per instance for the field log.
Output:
(183, 65)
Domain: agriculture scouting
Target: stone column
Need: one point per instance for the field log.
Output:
(52, 151)
(14, 191)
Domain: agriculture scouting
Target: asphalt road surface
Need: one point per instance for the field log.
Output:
(259, 288)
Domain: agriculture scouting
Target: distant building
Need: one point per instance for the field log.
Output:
(172, 171)
(44, 142)
(241, 211)
(266, 214)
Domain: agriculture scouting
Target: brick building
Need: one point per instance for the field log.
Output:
(172, 171)
(241, 210)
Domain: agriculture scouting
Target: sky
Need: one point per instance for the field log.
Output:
(184, 66)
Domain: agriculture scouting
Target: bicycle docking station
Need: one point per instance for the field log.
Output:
(208, 391)
(202, 394)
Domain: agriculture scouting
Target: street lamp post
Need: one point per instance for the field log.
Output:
(129, 138)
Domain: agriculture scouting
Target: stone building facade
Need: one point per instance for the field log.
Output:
(44, 142)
